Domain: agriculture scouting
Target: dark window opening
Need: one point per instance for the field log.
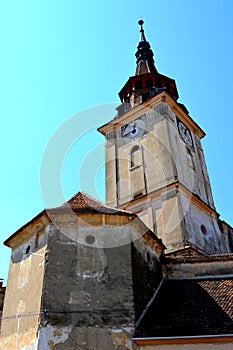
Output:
(135, 157)
(149, 82)
(138, 85)
(146, 96)
(203, 229)
(27, 249)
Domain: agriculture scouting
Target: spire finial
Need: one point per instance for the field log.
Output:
(140, 22)
(142, 38)
(144, 53)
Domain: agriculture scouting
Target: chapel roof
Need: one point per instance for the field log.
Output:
(80, 202)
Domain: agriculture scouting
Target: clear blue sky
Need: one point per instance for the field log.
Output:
(61, 57)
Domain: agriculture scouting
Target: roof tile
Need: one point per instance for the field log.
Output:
(190, 308)
(82, 202)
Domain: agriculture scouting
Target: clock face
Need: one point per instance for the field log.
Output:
(185, 133)
(134, 129)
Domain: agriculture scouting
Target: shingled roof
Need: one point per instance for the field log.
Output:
(190, 308)
(82, 202)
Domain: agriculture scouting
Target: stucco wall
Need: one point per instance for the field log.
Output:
(89, 291)
(23, 293)
(201, 269)
(86, 285)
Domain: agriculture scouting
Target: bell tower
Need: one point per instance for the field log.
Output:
(155, 165)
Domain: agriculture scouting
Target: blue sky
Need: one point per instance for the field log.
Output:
(59, 58)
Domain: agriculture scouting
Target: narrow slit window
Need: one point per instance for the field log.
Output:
(135, 157)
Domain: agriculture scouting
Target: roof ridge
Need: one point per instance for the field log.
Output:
(94, 199)
(86, 197)
(83, 202)
(103, 204)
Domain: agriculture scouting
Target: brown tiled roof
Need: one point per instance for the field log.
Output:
(194, 259)
(81, 202)
(190, 308)
(184, 252)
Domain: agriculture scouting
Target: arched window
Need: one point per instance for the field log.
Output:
(137, 174)
(190, 158)
(135, 157)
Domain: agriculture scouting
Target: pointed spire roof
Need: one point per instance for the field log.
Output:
(144, 54)
(142, 36)
(147, 81)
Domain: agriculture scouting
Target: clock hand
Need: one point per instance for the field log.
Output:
(128, 130)
(134, 130)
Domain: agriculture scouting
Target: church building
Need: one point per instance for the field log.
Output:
(150, 269)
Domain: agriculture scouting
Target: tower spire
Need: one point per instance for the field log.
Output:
(142, 36)
(144, 54)
(147, 81)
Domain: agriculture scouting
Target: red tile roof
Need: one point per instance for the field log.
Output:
(82, 202)
(190, 308)
(221, 291)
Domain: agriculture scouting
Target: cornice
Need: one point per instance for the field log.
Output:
(27, 230)
(177, 186)
(150, 104)
(227, 338)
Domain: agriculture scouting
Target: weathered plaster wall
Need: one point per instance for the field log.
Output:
(91, 338)
(89, 289)
(20, 340)
(227, 236)
(202, 269)
(23, 293)
(110, 170)
(168, 218)
(153, 172)
(188, 160)
(87, 285)
(201, 228)
(163, 216)
(71, 281)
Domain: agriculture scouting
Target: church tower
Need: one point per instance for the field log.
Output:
(155, 165)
